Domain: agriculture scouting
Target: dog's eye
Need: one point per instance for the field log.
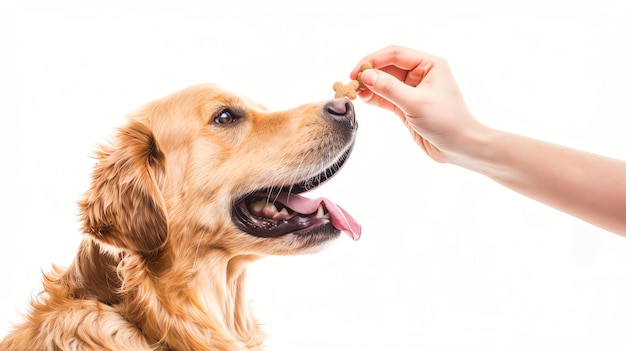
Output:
(224, 118)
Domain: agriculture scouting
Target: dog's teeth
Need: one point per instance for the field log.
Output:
(320, 212)
(257, 207)
(269, 210)
(282, 215)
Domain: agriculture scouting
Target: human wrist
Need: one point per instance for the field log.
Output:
(479, 150)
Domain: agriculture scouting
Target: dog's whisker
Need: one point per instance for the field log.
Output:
(277, 195)
(274, 191)
(269, 195)
(300, 169)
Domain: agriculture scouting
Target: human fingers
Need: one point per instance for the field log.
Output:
(370, 98)
(389, 88)
(401, 57)
(397, 72)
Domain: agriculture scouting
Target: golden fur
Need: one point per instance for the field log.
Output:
(161, 265)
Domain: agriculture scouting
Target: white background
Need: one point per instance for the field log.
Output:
(449, 260)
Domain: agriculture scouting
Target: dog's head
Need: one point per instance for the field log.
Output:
(206, 168)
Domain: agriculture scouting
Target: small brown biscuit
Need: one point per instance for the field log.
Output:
(348, 90)
(364, 66)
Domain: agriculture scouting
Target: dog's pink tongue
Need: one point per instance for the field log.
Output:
(339, 217)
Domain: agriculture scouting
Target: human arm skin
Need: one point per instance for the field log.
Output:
(421, 90)
(588, 186)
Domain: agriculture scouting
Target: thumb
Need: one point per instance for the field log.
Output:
(388, 87)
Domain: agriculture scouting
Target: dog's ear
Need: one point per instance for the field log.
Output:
(124, 206)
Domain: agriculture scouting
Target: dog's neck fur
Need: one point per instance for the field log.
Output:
(209, 294)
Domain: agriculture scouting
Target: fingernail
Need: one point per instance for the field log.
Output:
(369, 77)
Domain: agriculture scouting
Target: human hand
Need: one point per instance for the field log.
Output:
(422, 91)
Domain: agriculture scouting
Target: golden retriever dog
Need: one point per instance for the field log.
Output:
(188, 192)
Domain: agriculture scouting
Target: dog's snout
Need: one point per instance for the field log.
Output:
(340, 110)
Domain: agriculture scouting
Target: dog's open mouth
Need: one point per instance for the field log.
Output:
(268, 214)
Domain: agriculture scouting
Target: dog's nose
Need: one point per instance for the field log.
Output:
(340, 110)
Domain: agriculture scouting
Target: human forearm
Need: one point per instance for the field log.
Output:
(585, 185)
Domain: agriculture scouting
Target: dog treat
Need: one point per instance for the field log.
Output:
(349, 90)
(364, 66)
